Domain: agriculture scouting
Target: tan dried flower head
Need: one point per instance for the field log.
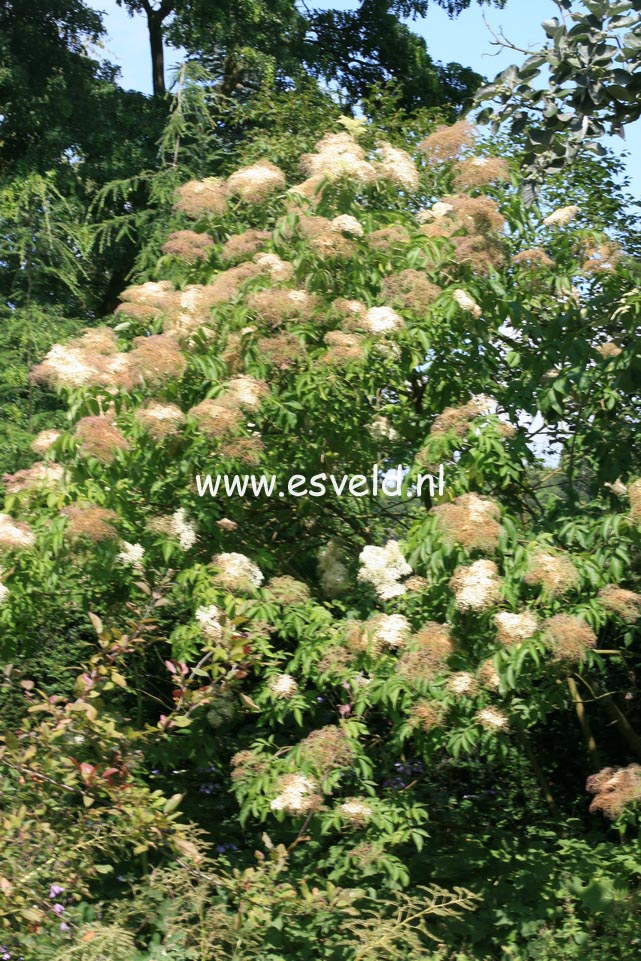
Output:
(463, 684)
(480, 253)
(282, 350)
(474, 215)
(429, 715)
(255, 183)
(569, 637)
(514, 628)
(159, 294)
(492, 720)
(555, 573)
(140, 312)
(188, 245)
(351, 312)
(410, 289)
(226, 524)
(338, 156)
(14, 535)
(248, 764)
(416, 584)
(90, 522)
(287, 590)
(215, 419)
(396, 166)
(297, 795)
(244, 245)
(333, 246)
(419, 666)
(479, 172)
(389, 238)
(276, 305)
(437, 639)
(471, 521)
(488, 675)
(247, 450)
(309, 192)
(343, 348)
(64, 366)
(45, 440)
(446, 143)
(99, 437)
(614, 789)
(455, 420)
(626, 604)
(608, 350)
(156, 359)
(601, 258)
(41, 474)
(634, 493)
(245, 392)
(534, 257)
(326, 749)
(335, 660)
(355, 812)
(477, 587)
(160, 420)
(198, 198)
(96, 340)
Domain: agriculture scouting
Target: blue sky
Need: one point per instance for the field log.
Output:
(466, 39)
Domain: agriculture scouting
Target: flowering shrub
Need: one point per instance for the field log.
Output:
(329, 662)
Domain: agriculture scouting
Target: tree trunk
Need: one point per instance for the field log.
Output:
(154, 22)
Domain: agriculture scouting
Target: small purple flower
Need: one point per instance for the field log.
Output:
(64, 926)
(58, 909)
(55, 890)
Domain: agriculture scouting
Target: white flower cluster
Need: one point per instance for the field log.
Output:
(237, 572)
(208, 619)
(355, 812)
(397, 166)
(131, 555)
(463, 683)
(391, 629)
(383, 567)
(466, 303)
(297, 796)
(383, 320)
(283, 686)
(44, 441)
(512, 628)
(491, 719)
(276, 268)
(180, 528)
(436, 212)
(334, 576)
(561, 217)
(13, 535)
(346, 224)
(247, 391)
(381, 429)
(476, 587)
